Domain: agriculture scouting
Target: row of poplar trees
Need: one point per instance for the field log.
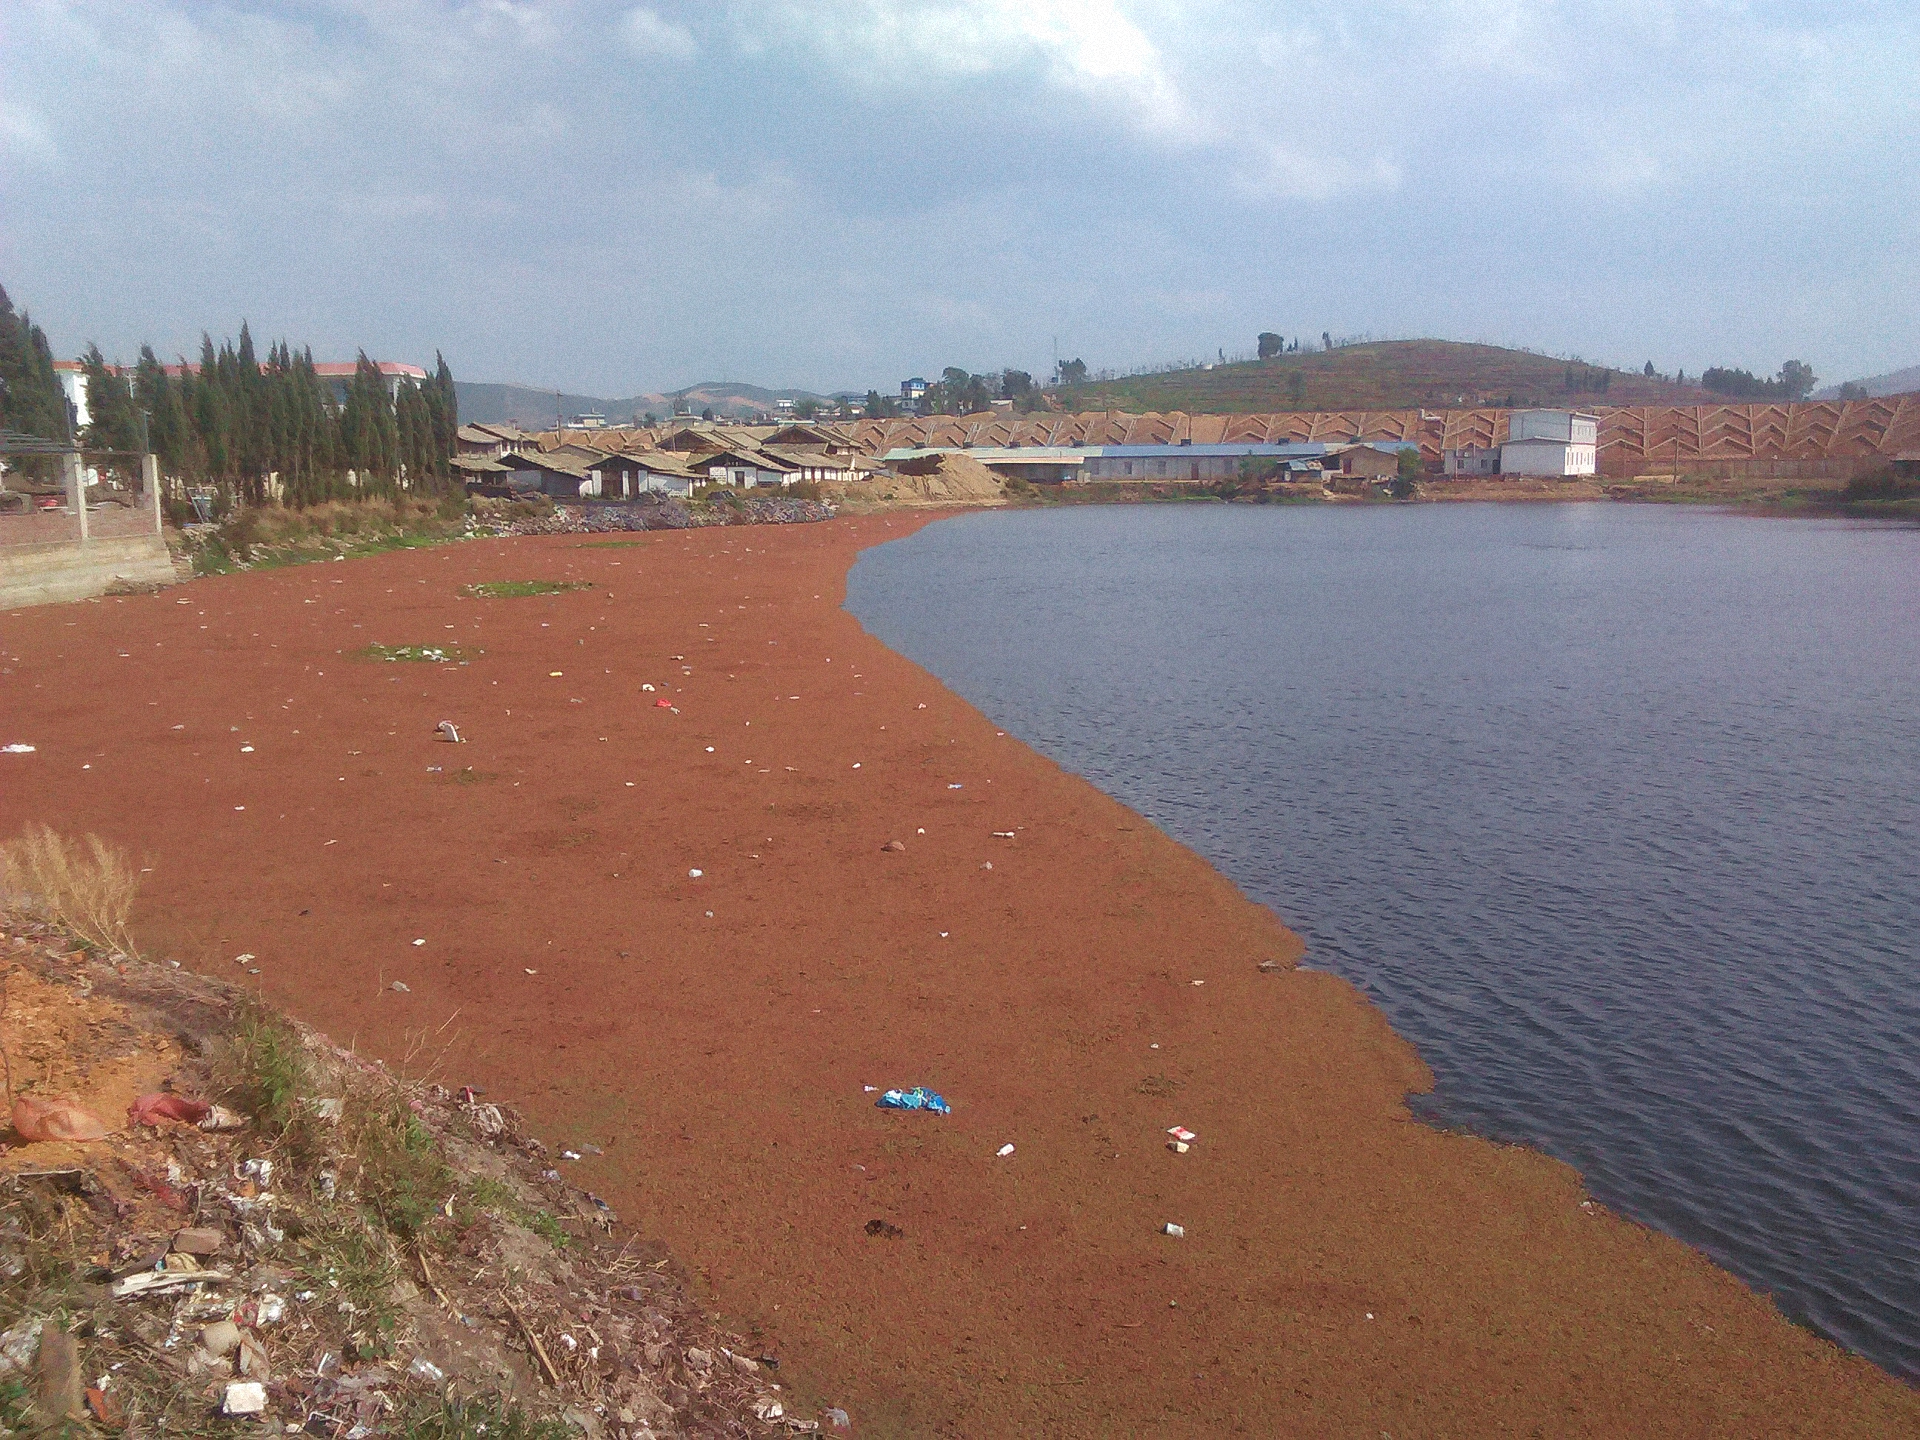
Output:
(235, 423)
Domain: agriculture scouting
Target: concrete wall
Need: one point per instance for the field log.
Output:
(50, 574)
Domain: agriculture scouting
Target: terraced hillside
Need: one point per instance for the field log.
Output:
(1387, 375)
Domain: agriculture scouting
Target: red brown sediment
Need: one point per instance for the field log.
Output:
(1344, 1271)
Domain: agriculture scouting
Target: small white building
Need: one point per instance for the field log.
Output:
(1551, 442)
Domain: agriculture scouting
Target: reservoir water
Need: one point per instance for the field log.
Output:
(1614, 810)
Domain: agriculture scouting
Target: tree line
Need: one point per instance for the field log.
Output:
(1794, 382)
(237, 424)
(960, 392)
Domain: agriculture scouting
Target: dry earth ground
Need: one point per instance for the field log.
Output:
(1344, 1271)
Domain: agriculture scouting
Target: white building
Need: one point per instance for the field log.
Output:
(1551, 442)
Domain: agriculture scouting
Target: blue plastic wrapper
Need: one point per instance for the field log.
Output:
(918, 1098)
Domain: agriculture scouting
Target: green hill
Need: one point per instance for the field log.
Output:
(1382, 375)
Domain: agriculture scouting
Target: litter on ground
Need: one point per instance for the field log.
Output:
(918, 1098)
(1180, 1132)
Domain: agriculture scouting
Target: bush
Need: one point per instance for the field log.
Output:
(1881, 484)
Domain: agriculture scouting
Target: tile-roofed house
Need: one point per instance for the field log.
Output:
(745, 466)
(626, 475)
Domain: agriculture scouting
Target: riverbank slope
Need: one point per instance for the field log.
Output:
(1344, 1270)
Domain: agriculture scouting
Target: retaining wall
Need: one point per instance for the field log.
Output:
(70, 570)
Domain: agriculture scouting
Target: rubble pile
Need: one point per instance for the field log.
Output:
(276, 1232)
(658, 513)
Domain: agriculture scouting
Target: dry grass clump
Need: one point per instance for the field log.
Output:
(85, 885)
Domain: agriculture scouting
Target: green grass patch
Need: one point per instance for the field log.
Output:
(485, 1417)
(429, 654)
(404, 1178)
(549, 1229)
(485, 1194)
(508, 589)
(356, 1265)
(263, 1072)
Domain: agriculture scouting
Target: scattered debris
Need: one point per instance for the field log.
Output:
(895, 847)
(1181, 1133)
(244, 1397)
(1178, 1232)
(918, 1098)
(1004, 1151)
(159, 1106)
(448, 731)
(884, 1230)
(38, 1119)
(401, 987)
(1271, 967)
(352, 1256)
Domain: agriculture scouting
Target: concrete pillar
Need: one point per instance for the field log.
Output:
(150, 481)
(76, 480)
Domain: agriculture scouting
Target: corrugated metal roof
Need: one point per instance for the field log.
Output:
(1075, 454)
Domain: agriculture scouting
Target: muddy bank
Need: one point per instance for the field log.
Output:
(1343, 1270)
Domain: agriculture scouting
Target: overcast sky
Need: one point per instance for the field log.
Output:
(616, 198)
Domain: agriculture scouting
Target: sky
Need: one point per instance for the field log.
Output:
(617, 199)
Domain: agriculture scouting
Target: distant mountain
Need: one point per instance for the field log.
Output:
(1895, 382)
(537, 409)
(1380, 375)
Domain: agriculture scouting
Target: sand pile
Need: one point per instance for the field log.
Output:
(943, 478)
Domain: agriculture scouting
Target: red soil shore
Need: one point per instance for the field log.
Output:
(1345, 1270)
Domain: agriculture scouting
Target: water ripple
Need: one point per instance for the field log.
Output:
(1614, 810)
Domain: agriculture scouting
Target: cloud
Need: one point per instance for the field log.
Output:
(1089, 47)
(26, 136)
(651, 37)
(925, 181)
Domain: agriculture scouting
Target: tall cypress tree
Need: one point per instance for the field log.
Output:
(167, 429)
(112, 421)
(446, 416)
(30, 397)
(211, 416)
(369, 432)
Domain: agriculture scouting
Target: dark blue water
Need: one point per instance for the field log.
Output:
(1615, 810)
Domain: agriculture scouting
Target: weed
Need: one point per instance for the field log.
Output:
(404, 1177)
(548, 1229)
(263, 1071)
(85, 885)
(489, 1194)
(430, 654)
(356, 1262)
(484, 1417)
(507, 589)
